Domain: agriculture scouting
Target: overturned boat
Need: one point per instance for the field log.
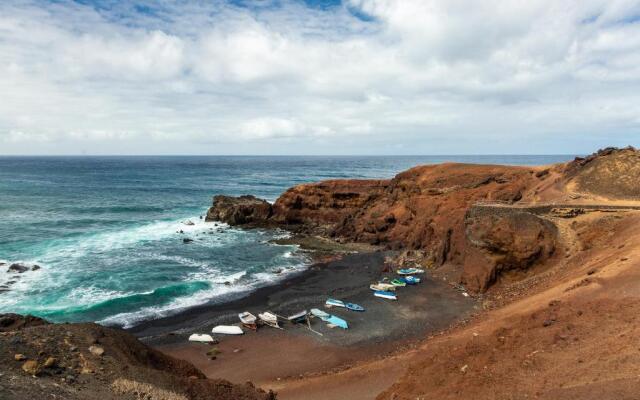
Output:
(337, 321)
(227, 330)
(298, 317)
(202, 338)
(320, 314)
(385, 295)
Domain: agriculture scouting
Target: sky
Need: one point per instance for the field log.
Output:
(319, 76)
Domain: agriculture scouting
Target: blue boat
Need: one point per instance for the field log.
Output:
(354, 307)
(337, 322)
(410, 280)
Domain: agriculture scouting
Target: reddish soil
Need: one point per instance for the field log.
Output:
(570, 333)
(88, 361)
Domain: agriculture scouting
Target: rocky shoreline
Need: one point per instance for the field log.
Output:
(546, 274)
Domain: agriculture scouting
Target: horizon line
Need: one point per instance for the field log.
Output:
(291, 155)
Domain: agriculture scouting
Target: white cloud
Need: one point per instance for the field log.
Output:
(430, 75)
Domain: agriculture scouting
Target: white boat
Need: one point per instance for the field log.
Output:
(334, 303)
(269, 318)
(320, 314)
(249, 320)
(203, 338)
(385, 295)
(382, 287)
(227, 330)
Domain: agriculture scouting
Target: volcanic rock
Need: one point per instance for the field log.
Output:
(17, 267)
(96, 350)
(15, 322)
(31, 367)
(239, 210)
(503, 240)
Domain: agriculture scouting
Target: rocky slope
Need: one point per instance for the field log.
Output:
(427, 209)
(566, 333)
(87, 361)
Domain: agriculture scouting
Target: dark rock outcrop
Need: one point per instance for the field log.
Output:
(503, 240)
(17, 267)
(241, 210)
(15, 322)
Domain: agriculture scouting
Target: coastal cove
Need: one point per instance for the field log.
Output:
(269, 355)
(518, 267)
(105, 230)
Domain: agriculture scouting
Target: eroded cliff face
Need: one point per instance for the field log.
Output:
(327, 203)
(426, 208)
(239, 210)
(503, 240)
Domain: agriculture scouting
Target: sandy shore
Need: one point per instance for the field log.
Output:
(269, 356)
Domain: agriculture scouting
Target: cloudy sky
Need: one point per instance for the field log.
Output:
(318, 76)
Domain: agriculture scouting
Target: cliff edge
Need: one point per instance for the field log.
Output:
(430, 209)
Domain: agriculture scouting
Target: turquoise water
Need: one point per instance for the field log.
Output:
(105, 229)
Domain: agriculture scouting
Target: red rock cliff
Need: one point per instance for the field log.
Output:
(426, 208)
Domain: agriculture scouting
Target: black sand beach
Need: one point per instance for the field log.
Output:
(428, 306)
(271, 356)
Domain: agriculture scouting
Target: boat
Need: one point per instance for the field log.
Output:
(354, 307)
(410, 271)
(382, 286)
(339, 322)
(385, 295)
(298, 317)
(320, 314)
(269, 318)
(398, 282)
(410, 280)
(227, 330)
(249, 320)
(203, 338)
(334, 303)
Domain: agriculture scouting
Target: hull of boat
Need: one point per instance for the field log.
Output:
(385, 295)
(227, 330)
(334, 303)
(339, 322)
(200, 338)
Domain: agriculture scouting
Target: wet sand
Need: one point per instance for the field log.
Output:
(270, 356)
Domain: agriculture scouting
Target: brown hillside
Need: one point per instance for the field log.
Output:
(88, 361)
(567, 333)
(427, 208)
(610, 173)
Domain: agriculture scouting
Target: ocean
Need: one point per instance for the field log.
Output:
(105, 230)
